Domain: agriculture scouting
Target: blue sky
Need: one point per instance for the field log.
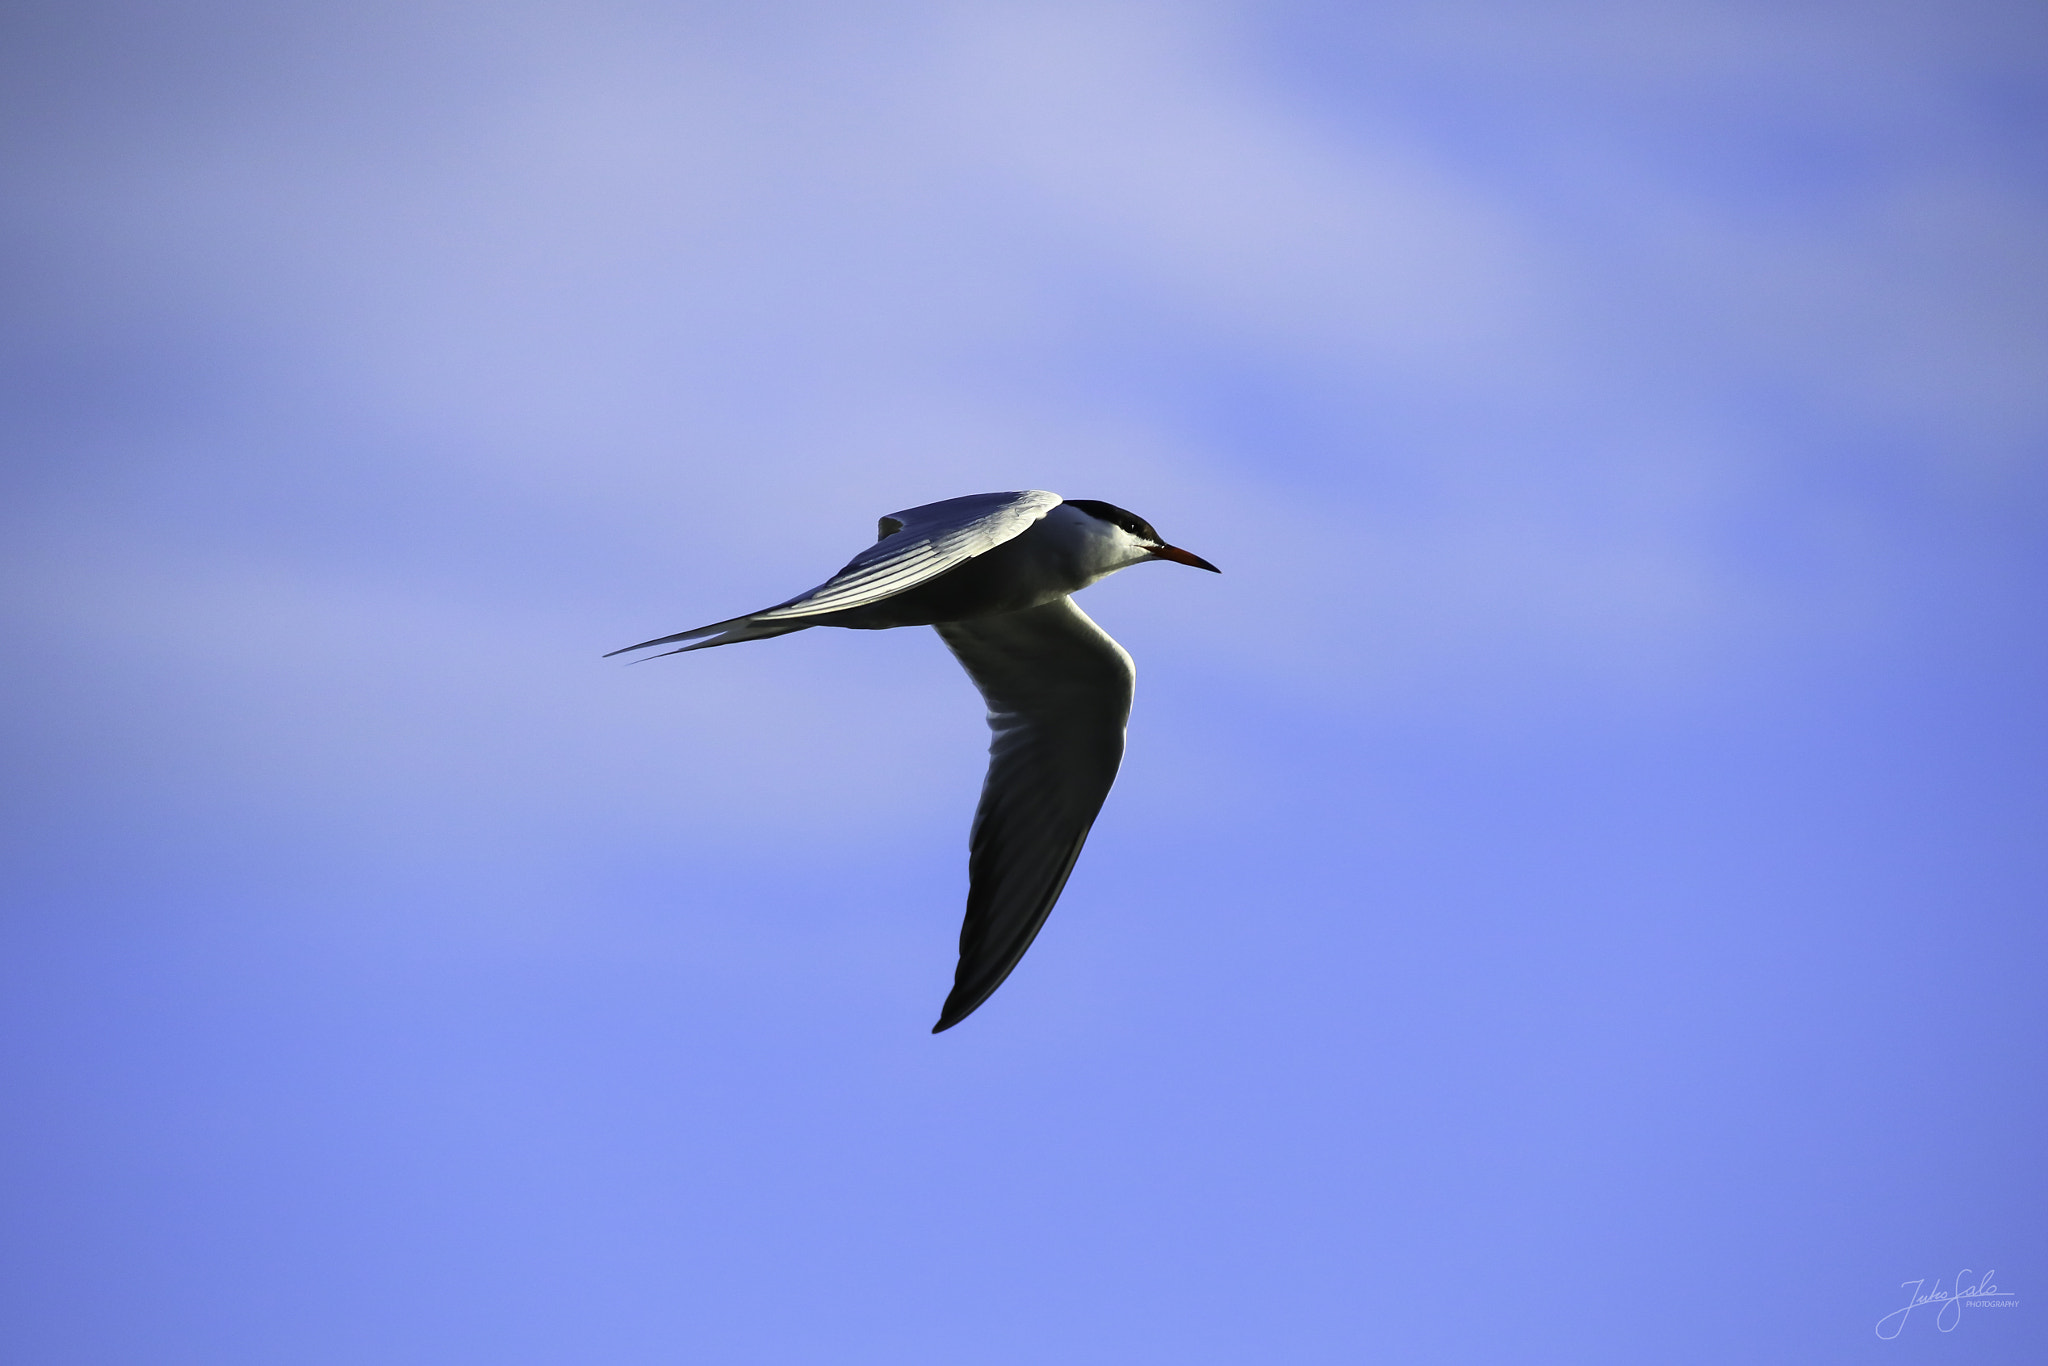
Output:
(1575, 890)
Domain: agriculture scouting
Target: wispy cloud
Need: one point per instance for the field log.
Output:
(385, 329)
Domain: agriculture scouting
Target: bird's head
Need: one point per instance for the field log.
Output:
(1143, 542)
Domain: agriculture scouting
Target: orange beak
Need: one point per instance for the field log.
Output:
(1179, 556)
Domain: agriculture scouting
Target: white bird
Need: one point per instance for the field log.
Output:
(992, 573)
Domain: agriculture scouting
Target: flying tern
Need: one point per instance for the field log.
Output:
(992, 573)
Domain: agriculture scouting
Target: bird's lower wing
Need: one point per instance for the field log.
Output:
(916, 545)
(1059, 695)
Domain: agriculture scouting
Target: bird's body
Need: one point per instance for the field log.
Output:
(1061, 553)
(993, 573)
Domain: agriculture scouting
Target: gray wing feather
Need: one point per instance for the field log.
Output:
(1059, 695)
(924, 543)
(927, 542)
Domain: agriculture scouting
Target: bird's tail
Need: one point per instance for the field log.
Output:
(721, 633)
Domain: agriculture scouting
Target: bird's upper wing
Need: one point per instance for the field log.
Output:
(916, 544)
(926, 542)
(1059, 694)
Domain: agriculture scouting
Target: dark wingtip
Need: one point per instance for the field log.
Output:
(953, 1012)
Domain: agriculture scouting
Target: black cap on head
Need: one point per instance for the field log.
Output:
(1116, 516)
